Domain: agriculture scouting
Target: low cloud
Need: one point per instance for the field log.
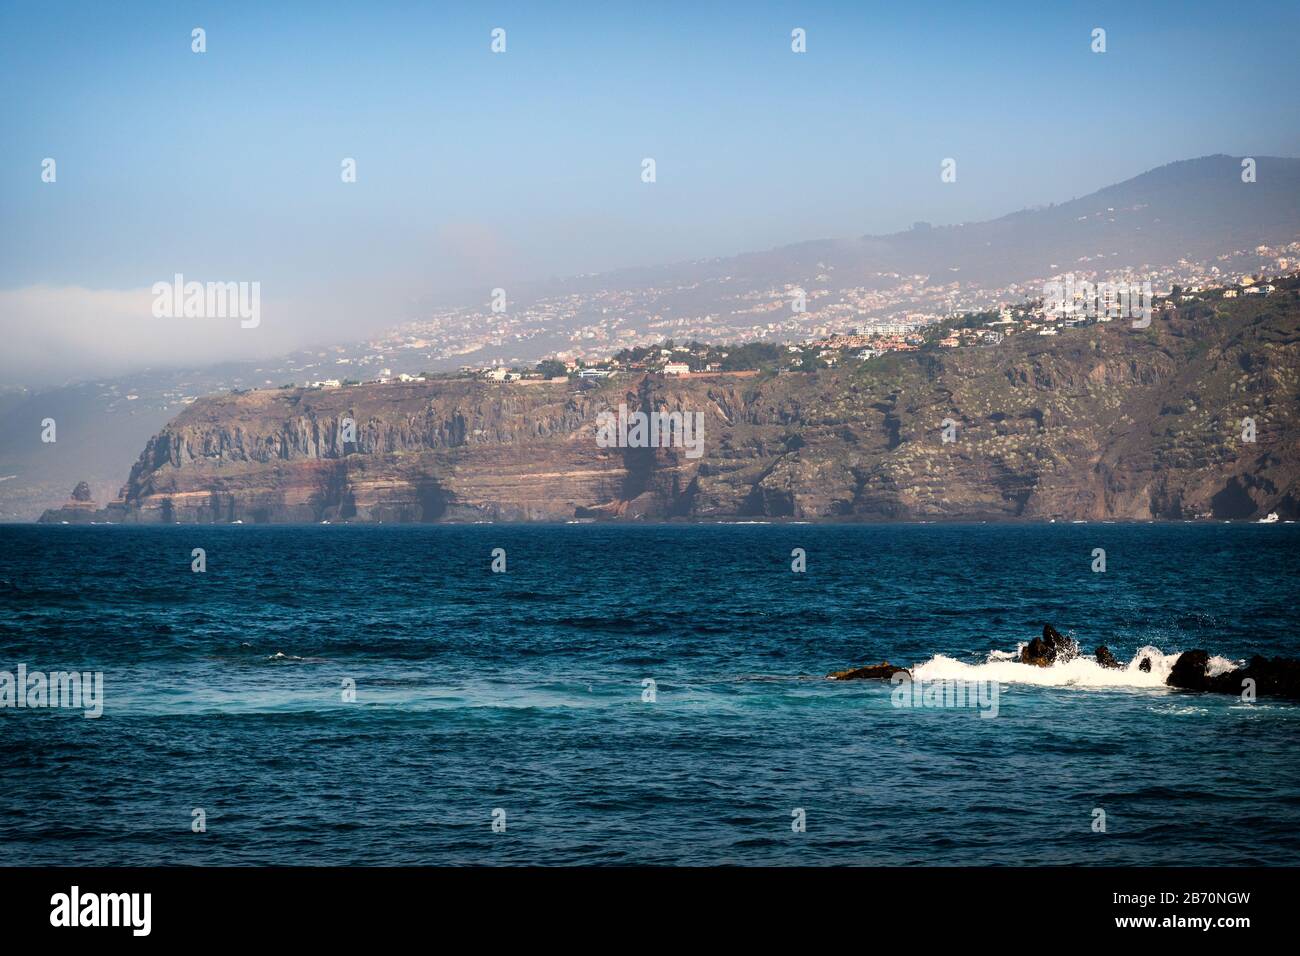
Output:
(57, 334)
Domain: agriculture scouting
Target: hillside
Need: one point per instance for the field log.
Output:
(1098, 422)
(1192, 212)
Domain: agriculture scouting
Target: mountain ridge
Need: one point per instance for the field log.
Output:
(1271, 211)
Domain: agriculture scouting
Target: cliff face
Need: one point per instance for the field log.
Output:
(1098, 422)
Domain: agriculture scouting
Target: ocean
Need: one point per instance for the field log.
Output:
(641, 695)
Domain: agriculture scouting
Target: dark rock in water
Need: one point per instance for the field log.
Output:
(1145, 665)
(1190, 671)
(1048, 649)
(1106, 659)
(871, 672)
(1273, 677)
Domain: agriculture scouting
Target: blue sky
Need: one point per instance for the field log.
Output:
(477, 170)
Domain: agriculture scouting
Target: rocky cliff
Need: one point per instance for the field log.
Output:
(78, 509)
(1098, 422)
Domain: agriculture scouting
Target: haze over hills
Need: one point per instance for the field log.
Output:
(1191, 209)
(1191, 221)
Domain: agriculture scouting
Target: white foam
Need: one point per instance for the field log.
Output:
(1083, 671)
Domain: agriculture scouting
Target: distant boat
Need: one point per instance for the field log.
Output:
(1270, 518)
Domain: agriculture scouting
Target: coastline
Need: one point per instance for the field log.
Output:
(684, 520)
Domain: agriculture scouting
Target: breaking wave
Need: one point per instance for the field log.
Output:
(1082, 671)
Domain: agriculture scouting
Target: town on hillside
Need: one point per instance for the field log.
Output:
(1042, 316)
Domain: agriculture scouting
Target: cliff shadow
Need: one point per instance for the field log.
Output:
(1234, 501)
(431, 501)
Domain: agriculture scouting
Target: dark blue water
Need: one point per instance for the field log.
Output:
(523, 691)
